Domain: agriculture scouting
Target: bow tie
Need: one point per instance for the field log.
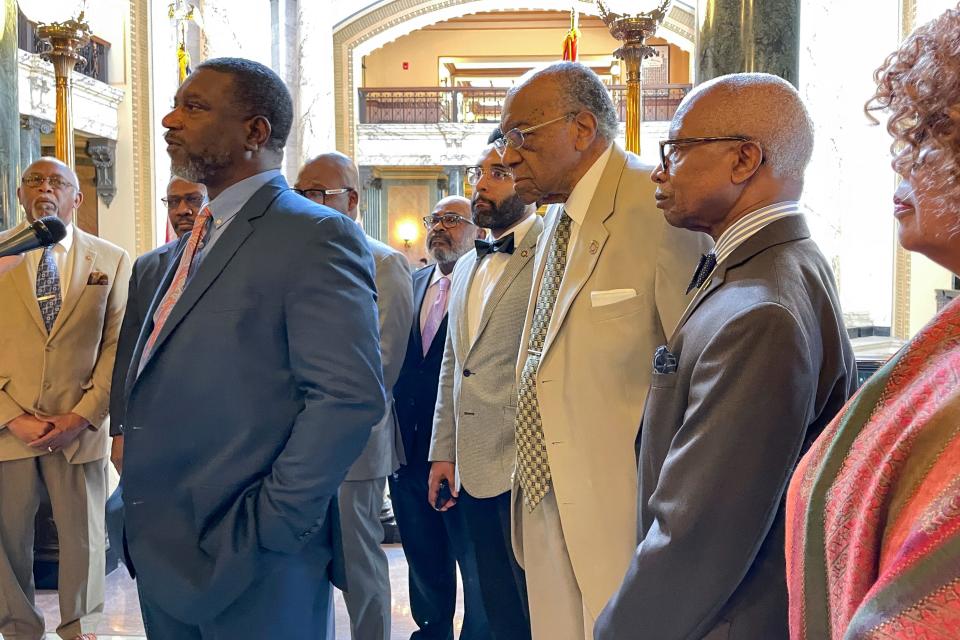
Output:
(503, 245)
(704, 268)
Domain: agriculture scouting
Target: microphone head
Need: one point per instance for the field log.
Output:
(50, 230)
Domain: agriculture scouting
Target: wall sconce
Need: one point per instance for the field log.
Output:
(407, 231)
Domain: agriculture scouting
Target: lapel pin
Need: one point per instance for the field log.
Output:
(524, 254)
(593, 247)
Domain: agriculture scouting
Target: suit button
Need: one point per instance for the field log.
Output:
(467, 373)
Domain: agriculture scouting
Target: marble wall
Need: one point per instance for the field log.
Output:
(9, 117)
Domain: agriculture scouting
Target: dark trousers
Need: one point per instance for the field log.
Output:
(287, 603)
(434, 543)
(502, 582)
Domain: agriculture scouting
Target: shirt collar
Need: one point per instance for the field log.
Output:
(519, 229)
(437, 274)
(67, 241)
(229, 202)
(578, 202)
(747, 226)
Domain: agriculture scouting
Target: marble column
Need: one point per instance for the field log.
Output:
(31, 128)
(744, 35)
(9, 118)
(455, 181)
(371, 210)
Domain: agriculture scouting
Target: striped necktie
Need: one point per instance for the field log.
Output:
(179, 282)
(533, 467)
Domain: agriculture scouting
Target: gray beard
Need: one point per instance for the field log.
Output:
(199, 168)
(447, 256)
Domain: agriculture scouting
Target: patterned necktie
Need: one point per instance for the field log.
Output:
(435, 315)
(532, 464)
(704, 268)
(179, 282)
(48, 288)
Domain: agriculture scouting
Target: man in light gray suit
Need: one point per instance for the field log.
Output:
(759, 364)
(474, 446)
(332, 179)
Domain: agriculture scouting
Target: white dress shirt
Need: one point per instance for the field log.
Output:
(578, 202)
(63, 258)
(488, 273)
(431, 295)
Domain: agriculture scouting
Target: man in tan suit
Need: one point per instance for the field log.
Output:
(609, 283)
(62, 308)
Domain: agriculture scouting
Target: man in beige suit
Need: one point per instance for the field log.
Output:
(62, 308)
(609, 286)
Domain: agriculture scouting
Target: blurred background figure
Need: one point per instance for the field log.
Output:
(873, 544)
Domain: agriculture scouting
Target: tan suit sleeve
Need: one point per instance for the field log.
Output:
(94, 404)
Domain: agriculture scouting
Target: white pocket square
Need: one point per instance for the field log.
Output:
(612, 296)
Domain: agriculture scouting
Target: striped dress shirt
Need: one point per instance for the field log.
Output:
(744, 228)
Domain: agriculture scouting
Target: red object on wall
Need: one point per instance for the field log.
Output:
(406, 66)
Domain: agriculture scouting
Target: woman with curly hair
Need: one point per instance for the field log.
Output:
(873, 511)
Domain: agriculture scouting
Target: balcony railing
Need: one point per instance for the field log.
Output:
(96, 52)
(432, 105)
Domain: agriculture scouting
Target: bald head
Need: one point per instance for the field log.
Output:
(332, 171)
(456, 204)
(50, 188)
(759, 106)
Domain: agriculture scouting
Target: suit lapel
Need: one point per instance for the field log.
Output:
(591, 238)
(21, 282)
(460, 298)
(218, 258)
(420, 285)
(522, 255)
(84, 253)
(777, 232)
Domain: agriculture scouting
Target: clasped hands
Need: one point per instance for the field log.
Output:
(49, 433)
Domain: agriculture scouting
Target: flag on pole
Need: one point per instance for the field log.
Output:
(572, 37)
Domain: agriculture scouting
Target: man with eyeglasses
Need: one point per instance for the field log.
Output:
(333, 179)
(473, 447)
(183, 201)
(434, 542)
(758, 365)
(609, 283)
(62, 308)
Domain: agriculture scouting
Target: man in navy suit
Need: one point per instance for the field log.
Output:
(433, 542)
(267, 329)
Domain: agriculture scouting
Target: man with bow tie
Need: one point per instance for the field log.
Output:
(62, 308)
(759, 363)
(473, 446)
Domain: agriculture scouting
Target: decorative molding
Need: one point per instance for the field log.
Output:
(386, 16)
(142, 124)
(103, 153)
(30, 123)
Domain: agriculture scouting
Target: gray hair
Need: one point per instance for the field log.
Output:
(764, 108)
(581, 90)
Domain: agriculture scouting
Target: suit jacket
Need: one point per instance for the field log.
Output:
(477, 404)
(589, 384)
(69, 369)
(763, 364)
(381, 457)
(259, 394)
(416, 388)
(148, 270)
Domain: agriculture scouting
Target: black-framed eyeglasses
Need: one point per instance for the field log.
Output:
(667, 147)
(321, 195)
(449, 220)
(514, 137)
(194, 202)
(497, 173)
(34, 180)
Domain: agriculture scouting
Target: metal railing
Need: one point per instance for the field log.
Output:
(96, 52)
(432, 105)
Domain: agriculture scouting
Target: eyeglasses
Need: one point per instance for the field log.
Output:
(497, 173)
(514, 137)
(449, 220)
(173, 202)
(34, 180)
(667, 147)
(321, 195)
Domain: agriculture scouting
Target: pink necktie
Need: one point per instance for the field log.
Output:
(179, 280)
(435, 315)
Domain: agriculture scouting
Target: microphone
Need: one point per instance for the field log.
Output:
(41, 233)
